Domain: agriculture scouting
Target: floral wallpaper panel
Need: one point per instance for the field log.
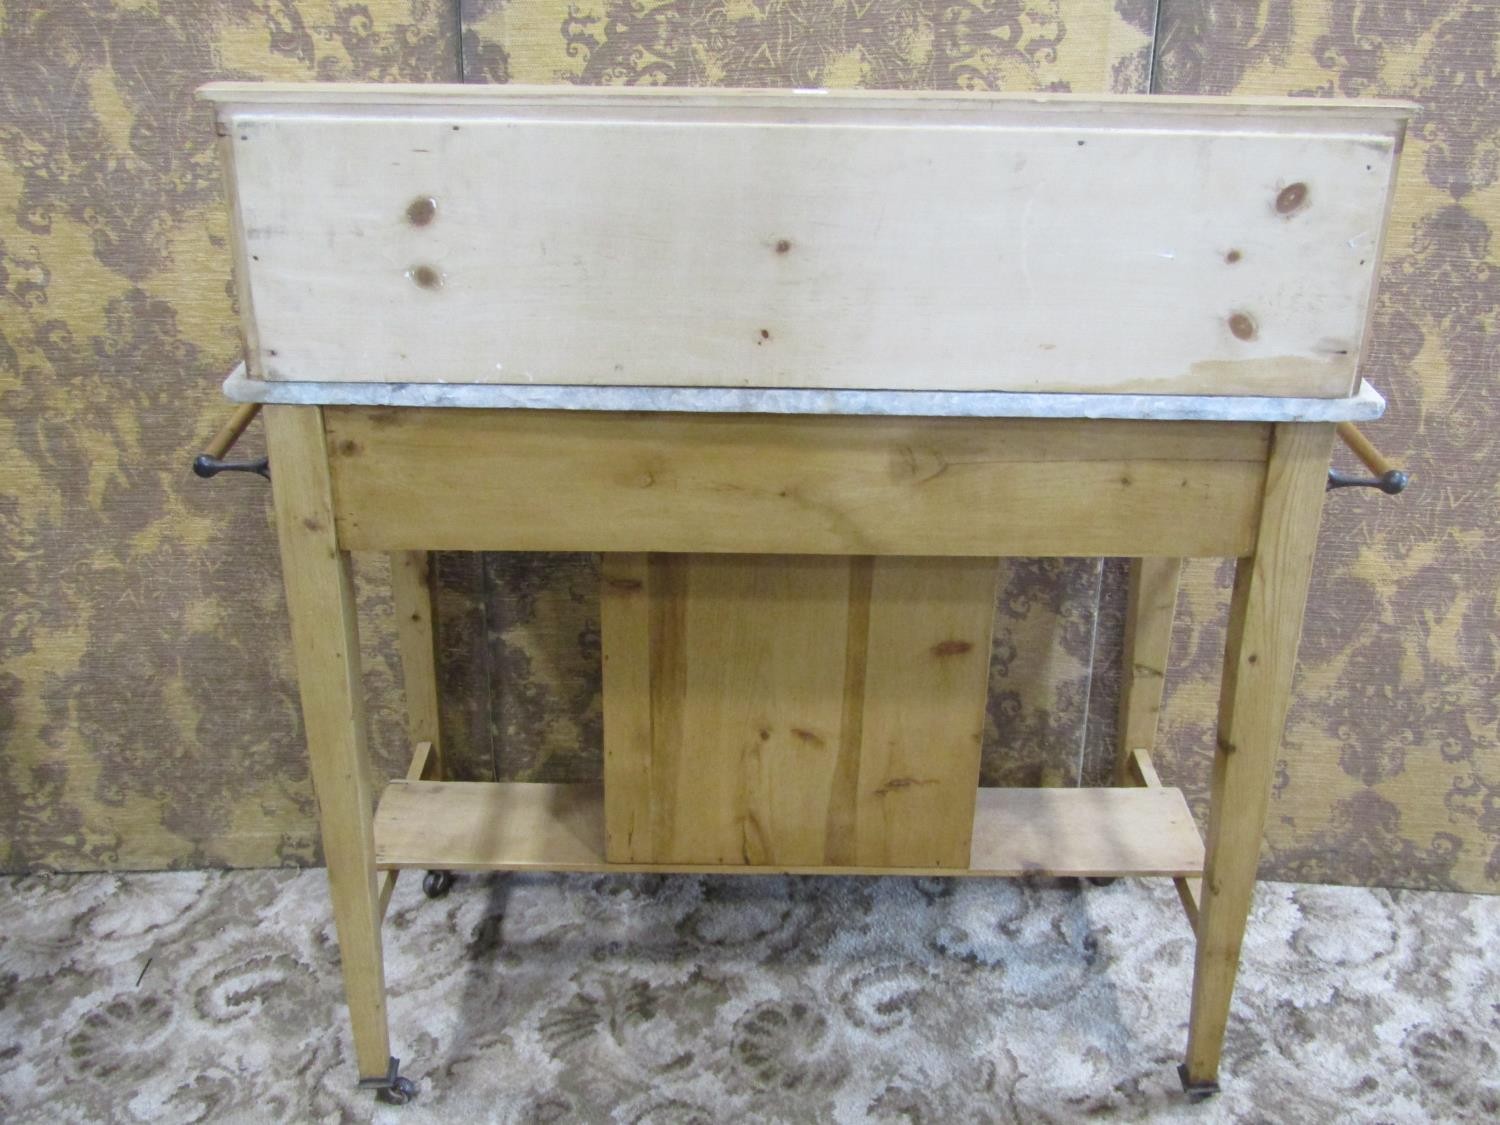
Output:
(148, 713)
(1391, 765)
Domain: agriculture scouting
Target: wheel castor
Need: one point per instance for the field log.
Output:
(399, 1092)
(390, 1087)
(435, 884)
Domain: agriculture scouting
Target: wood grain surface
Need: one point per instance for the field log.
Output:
(518, 826)
(781, 239)
(569, 481)
(803, 710)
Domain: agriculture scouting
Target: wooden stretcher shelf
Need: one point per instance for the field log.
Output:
(520, 826)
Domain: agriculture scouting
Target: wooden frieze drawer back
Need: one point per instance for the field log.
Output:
(806, 239)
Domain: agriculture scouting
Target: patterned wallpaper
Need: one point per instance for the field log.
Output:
(147, 709)
(148, 712)
(1391, 770)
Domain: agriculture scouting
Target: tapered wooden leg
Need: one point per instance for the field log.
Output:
(325, 640)
(1265, 621)
(413, 586)
(1151, 602)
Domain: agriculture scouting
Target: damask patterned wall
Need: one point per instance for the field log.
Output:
(1392, 753)
(147, 710)
(148, 714)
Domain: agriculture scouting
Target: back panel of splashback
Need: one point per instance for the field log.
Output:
(512, 235)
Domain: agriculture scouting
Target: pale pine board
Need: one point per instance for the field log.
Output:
(987, 242)
(1151, 604)
(1260, 657)
(325, 643)
(805, 710)
(518, 480)
(519, 826)
(924, 685)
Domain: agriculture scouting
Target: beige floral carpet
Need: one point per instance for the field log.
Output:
(204, 996)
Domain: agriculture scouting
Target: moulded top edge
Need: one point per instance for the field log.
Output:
(441, 94)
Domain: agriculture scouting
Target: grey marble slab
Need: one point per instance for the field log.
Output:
(1361, 407)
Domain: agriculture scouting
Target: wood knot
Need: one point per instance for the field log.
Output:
(896, 784)
(425, 277)
(1242, 326)
(951, 648)
(421, 211)
(783, 245)
(1291, 198)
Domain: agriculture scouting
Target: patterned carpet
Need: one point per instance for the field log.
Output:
(215, 996)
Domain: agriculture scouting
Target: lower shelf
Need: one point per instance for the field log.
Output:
(519, 826)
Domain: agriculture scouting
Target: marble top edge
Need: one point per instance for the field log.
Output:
(1364, 406)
